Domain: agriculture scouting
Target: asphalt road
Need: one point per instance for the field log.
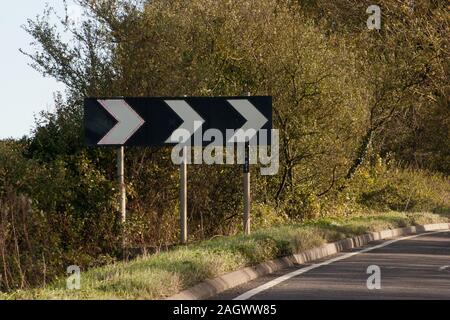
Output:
(413, 268)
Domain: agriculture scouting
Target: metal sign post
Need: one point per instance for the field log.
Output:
(121, 180)
(183, 197)
(247, 194)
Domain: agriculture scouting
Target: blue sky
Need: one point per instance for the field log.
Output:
(24, 92)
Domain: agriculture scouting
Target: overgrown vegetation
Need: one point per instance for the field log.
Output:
(363, 119)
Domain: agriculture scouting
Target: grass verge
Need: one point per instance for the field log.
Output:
(164, 274)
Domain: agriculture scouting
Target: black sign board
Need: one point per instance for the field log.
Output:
(159, 121)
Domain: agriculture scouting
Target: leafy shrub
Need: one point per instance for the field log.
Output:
(300, 204)
(264, 215)
(53, 215)
(388, 186)
(30, 252)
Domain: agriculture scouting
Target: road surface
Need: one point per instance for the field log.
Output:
(415, 267)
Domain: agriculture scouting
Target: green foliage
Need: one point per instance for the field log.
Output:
(387, 187)
(53, 215)
(301, 204)
(265, 215)
(29, 251)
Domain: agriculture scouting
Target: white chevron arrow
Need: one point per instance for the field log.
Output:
(191, 120)
(128, 122)
(255, 120)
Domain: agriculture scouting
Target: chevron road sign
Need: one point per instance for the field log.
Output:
(160, 121)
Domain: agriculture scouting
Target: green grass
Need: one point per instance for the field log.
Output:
(164, 274)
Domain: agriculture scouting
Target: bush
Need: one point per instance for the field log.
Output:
(388, 186)
(30, 252)
(300, 204)
(53, 215)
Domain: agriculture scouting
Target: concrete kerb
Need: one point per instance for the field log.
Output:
(212, 287)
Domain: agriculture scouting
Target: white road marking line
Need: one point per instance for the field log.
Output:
(274, 282)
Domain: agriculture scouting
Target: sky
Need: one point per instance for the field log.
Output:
(24, 92)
